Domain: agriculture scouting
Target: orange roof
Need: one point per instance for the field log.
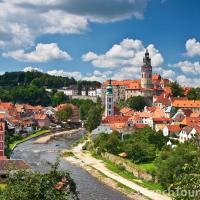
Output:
(162, 119)
(135, 117)
(138, 126)
(186, 103)
(2, 115)
(40, 116)
(168, 91)
(122, 82)
(145, 114)
(191, 121)
(173, 128)
(195, 115)
(6, 105)
(115, 119)
(156, 77)
(125, 110)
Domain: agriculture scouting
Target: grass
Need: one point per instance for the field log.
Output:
(67, 154)
(148, 167)
(36, 134)
(2, 185)
(128, 175)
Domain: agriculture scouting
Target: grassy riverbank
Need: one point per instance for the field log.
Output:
(36, 134)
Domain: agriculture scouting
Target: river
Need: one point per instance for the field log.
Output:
(39, 155)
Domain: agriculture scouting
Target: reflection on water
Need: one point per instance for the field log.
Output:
(39, 156)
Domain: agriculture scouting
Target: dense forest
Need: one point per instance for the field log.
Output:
(29, 87)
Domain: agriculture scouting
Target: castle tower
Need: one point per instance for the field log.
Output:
(146, 72)
(109, 104)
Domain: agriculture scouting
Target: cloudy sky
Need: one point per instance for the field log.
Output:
(99, 39)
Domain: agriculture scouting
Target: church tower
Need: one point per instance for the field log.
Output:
(146, 72)
(109, 104)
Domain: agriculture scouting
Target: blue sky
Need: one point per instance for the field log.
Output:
(98, 39)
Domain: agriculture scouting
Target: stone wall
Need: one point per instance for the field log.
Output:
(129, 166)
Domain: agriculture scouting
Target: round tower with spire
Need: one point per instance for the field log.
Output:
(109, 104)
(146, 72)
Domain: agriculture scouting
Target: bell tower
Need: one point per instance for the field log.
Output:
(146, 72)
(109, 104)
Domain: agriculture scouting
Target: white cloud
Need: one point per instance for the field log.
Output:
(42, 53)
(129, 53)
(187, 81)
(193, 47)
(95, 76)
(76, 75)
(30, 69)
(188, 67)
(22, 21)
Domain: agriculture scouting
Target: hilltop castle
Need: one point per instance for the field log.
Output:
(150, 84)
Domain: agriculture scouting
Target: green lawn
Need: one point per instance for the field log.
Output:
(2, 185)
(128, 175)
(38, 133)
(148, 167)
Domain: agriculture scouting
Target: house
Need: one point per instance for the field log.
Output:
(171, 130)
(161, 101)
(116, 122)
(181, 114)
(42, 120)
(101, 129)
(9, 166)
(92, 92)
(71, 90)
(126, 111)
(161, 121)
(169, 111)
(190, 121)
(194, 105)
(135, 119)
(186, 133)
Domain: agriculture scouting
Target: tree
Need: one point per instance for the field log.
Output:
(170, 162)
(64, 114)
(137, 103)
(58, 98)
(177, 90)
(188, 181)
(194, 94)
(94, 118)
(55, 184)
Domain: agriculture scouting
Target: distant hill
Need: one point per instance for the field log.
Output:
(29, 87)
(40, 79)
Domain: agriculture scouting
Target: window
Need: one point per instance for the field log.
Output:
(1, 145)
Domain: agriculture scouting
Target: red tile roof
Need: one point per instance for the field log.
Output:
(115, 119)
(186, 103)
(162, 119)
(173, 128)
(138, 126)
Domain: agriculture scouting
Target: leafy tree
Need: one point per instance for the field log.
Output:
(25, 185)
(137, 103)
(140, 152)
(64, 114)
(58, 98)
(188, 181)
(170, 162)
(177, 90)
(94, 118)
(194, 94)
